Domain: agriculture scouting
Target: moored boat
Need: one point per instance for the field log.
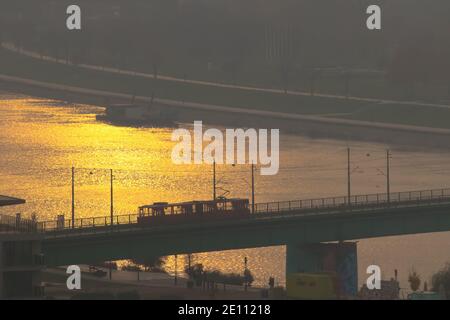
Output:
(138, 115)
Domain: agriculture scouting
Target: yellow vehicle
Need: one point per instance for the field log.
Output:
(311, 286)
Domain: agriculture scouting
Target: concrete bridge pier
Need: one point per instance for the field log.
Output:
(338, 259)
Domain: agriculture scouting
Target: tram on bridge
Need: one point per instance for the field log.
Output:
(165, 213)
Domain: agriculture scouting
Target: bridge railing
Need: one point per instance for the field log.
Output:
(18, 224)
(356, 200)
(90, 222)
(300, 206)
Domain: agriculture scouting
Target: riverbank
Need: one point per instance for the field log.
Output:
(150, 286)
(308, 125)
(32, 65)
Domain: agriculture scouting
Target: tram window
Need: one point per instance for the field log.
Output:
(221, 206)
(199, 208)
(212, 207)
(187, 210)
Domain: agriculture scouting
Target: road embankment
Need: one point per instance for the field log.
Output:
(310, 125)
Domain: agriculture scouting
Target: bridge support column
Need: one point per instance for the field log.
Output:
(302, 259)
(338, 259)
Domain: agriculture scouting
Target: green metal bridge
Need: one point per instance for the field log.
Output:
(290, 223)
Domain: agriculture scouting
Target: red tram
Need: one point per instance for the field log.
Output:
(168, 213)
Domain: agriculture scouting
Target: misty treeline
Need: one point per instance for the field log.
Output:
(288, 38)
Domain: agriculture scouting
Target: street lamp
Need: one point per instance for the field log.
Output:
(215, 182)
(253, 187)
(387, 175)
(350, 170)
(111, 195)
(73, 197)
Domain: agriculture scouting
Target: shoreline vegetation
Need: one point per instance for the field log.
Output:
(317, 115)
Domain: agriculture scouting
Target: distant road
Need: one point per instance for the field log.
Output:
(211, 107)
(33, 54)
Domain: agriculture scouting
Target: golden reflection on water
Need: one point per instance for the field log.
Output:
(43, 139)
(40, 140)
(52, 139)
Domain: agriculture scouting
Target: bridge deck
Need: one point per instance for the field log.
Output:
(286, 223)
(273, 211)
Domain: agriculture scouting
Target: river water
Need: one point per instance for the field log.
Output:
(40, 140)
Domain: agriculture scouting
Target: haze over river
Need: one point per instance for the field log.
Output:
(40, 140)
